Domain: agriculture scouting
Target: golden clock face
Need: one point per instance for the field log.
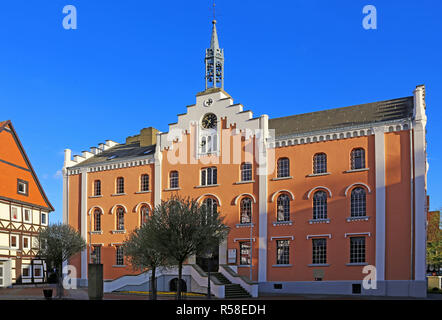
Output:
(209, 121)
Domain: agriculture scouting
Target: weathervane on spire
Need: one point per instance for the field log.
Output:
(214, 60)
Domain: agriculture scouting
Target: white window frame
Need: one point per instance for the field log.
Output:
(29, 267)
(18, 213)
(40, 267)
(208, 141)
(30, 215)
(41, 220)
(23, 242)
(25, 187)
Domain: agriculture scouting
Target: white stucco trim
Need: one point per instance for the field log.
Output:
(84, 225)
(209, 195)
(357, 184)
(319, 236)
(282, 190)
(357, 234)
(235, 201)
(137, 207)
(95, 207)
(319, 187)
(380, 201)
(112, 210)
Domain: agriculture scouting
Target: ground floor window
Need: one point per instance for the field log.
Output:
(357, 250)
(282, 252)
(319, 251)
(244, 253)
(119, 256)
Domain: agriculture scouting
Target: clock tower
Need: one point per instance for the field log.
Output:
(214, 62)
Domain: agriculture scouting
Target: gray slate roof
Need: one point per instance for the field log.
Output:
(119, 152)
(381, 111)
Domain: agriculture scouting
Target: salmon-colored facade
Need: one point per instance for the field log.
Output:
(327, 202)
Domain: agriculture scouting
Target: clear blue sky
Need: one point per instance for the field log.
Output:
(132, 64)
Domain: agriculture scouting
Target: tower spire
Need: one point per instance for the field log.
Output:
(214, 60)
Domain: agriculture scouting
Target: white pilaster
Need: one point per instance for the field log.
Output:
(262, 202)
(158, 171)
(420, 160)
(65, 196)
(84, 190)
(380, 201)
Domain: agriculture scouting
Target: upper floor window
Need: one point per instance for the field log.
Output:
(120, 185)
(357, 249)
(283, 168)
(357, 159)
(320, 163)
(14, 213)
(120, 218)
(144, 212)
(44, 219)
(246, 210)
(97, 188)
(173, 179)
(144, 182)
(283, 208)
(22, 187)
(209, 142)
(358, 202)
(209, 176)
(246, 171)
(320, 205)
(27, 216)
(97, 220)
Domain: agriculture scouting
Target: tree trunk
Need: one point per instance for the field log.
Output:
(180, 273)
(60, 292)
(153, 286)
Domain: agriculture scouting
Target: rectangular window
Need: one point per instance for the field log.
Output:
(120, 185)
(144, 182)
(22, 187)
(357, 250)
(97, 188)
(27, 215)
(14, 241)
(119, 256)
(26, 271)
(173, 180)
(319, 251)
(209, 176)
(38, 272)
(283, 168)
(14, 213)
(26, 243)
(320, 163)
(96, 255)
(246, 172)
(244, 253)
(282, 252)
(43, 218)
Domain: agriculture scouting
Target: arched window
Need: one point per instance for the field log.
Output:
(283, 168)
(246, 171)
(144, 182)
(358, 202)
(97, 220)
(173, 179)
(120, 185)
(97, 188)
(320, 205)
(283, 208)
(246, 210)
(120, 218)
(357, 159)
(144, 214)
(320, 163)
(211, 205)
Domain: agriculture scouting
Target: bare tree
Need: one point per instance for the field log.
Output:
(140, 250)
(58, 243)
(184, 228)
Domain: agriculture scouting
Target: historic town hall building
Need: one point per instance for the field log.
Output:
(311, 199)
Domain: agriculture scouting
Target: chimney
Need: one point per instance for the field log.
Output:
(147, 137)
